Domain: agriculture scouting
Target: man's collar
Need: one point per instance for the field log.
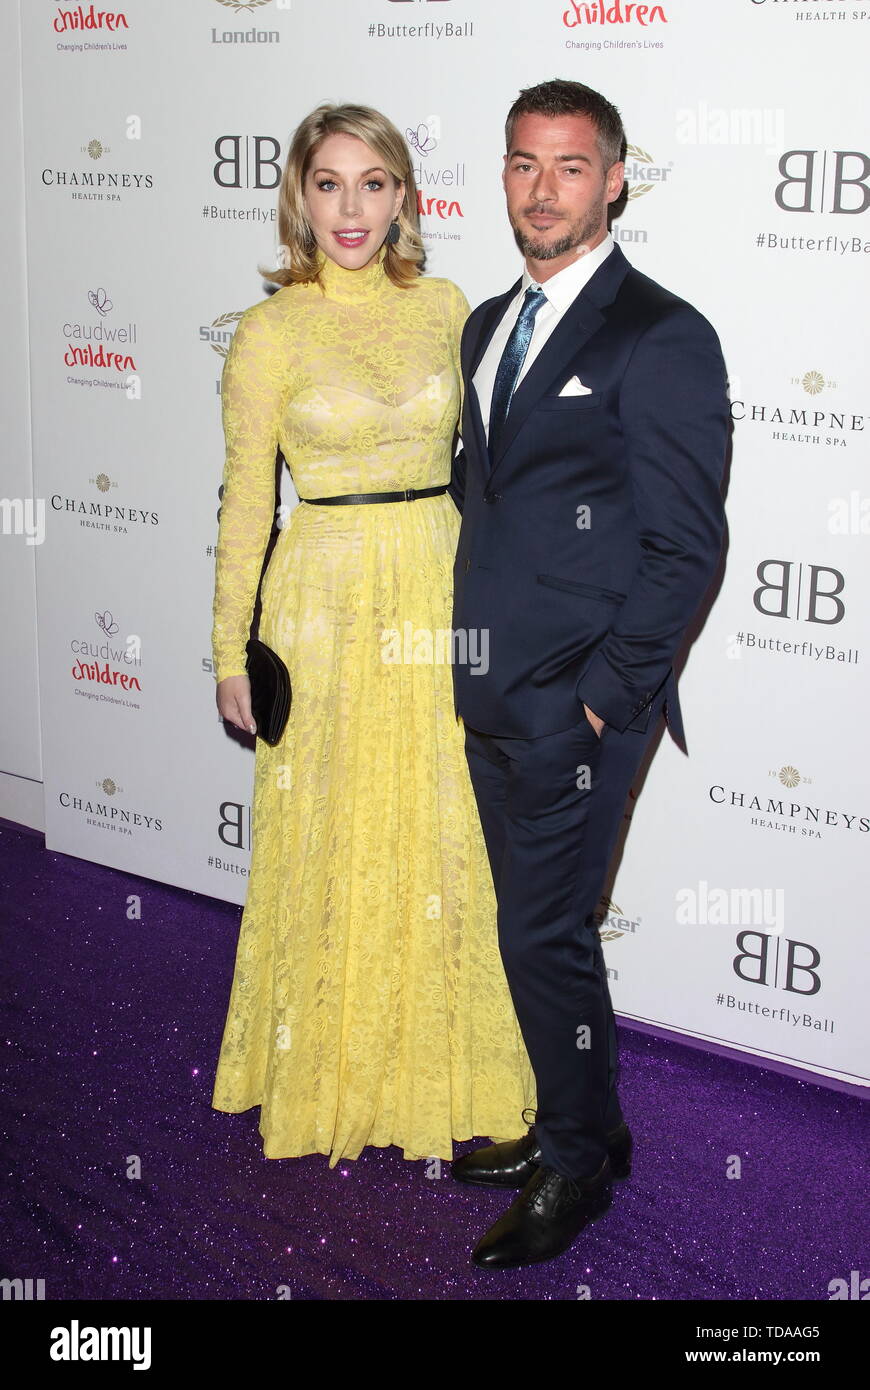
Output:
(563, 288)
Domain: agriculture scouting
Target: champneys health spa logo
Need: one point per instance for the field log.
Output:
(100, 343)
(107, 668)
(99, 809)
(805, 419)
(816, 11)
(812, 382)
(103, 184)
(98, 513)
(790, 811)
(252, 33)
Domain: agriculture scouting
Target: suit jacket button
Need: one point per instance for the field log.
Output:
(467, 565)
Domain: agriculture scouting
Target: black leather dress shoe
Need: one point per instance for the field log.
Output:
(512, 1163)
(545, 1218)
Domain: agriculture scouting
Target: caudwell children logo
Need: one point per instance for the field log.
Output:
(598, 12)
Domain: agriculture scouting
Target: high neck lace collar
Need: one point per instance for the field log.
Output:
(352, 285)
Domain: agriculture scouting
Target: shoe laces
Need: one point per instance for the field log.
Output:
(546, 1178)
(572, 1187)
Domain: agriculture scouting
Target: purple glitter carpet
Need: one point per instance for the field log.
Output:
(112, 1033)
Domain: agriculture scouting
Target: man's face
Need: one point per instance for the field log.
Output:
(557, 187)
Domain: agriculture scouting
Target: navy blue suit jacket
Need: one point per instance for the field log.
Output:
(590, 613)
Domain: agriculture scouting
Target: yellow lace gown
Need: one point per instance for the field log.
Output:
(369, 1003)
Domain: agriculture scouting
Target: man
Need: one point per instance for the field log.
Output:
(594, 437)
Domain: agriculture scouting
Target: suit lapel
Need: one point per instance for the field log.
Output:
(581, 319)
(472, 354)
(573, 330)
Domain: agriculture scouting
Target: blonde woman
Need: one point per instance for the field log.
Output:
(369, 1004)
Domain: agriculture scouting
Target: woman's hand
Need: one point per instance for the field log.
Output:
(234, 702)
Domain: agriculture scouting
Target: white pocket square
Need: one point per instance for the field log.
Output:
(575, 387)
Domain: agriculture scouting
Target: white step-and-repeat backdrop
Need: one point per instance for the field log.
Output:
(154, 135)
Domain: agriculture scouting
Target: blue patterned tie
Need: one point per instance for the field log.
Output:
(511, 362)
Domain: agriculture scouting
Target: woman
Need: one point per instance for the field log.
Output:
(369, 1004)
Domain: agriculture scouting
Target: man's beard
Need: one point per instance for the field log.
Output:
(576, 233)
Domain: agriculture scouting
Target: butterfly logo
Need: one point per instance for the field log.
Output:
(421, 139)
(106, 623)
(100, 301)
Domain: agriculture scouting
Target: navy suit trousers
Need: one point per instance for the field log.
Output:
(551, 810)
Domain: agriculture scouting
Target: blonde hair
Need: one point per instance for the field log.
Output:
(404, 259)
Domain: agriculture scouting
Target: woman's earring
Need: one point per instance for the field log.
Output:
(394, 233)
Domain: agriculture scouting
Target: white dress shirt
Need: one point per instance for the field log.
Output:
(561, 290)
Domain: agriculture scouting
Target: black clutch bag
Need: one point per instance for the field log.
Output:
(270, 690)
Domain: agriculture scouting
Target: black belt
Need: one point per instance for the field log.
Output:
(408, 495)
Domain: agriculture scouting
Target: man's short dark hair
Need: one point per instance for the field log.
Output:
(560, 97)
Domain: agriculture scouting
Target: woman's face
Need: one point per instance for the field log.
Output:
(350, 200)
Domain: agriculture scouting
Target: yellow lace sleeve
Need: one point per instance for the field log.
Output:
(253, 386)
(459, 310)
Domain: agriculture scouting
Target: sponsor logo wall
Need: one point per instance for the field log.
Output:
(154, 136)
